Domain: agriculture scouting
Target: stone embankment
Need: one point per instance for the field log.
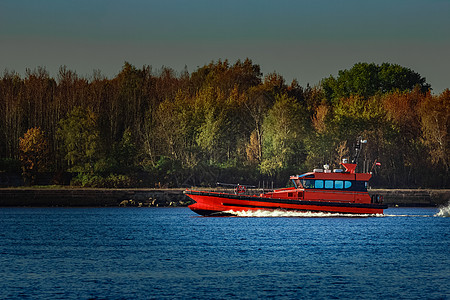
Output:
(413, 197)
(81, 197)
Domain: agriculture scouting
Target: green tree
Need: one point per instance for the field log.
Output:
(366, 80)
(257, 105)
(353, 117)
(81, 140)
(176, 129)
(210, 134)
(125, 153)
(321, 141)
(285, 128)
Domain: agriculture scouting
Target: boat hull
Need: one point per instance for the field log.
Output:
(223, 204)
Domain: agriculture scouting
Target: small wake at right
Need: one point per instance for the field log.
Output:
(443, 211)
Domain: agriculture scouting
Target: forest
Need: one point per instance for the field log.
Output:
(224, 122)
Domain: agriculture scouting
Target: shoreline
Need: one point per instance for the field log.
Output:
(174, 197)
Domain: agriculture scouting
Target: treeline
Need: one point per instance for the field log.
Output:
(223, 122)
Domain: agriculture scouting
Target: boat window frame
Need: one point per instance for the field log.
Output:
(308, 183)
(317, 181)
(327, 184)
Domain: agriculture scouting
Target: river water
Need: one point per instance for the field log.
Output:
(171, 253)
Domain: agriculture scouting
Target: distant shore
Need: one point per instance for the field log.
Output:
(90, 197)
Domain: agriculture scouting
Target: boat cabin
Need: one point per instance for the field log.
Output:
(342, 185)
(338, 179)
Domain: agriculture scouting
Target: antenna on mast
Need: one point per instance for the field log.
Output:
(359, 141)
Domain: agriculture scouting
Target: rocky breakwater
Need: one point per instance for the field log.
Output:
(413, 197)
(80, 197)
(157, 198)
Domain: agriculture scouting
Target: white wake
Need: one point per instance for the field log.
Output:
(296, 214)
(278, 213)
(443, 211)
(415, 216)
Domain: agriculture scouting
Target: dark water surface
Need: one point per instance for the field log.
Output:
(167, 253)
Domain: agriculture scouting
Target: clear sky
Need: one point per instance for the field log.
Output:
(303, 39)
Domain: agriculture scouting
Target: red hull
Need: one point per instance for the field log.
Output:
(213, 204)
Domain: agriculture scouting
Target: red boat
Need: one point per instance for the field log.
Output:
(323, 190)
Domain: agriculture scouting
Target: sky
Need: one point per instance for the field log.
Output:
(303, 39)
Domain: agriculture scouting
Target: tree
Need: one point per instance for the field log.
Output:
(33, 153)
(274, 84)
(211, 134)
(125, 153)
(320, 142)
(226, 119)
(366, 80)
(224, 76)
(129, 107)
(81, 140)
(354, 117)
(175, 130)
(253, 149)
(435, 125)
(284, 131)
(257, 105)
(11, 114)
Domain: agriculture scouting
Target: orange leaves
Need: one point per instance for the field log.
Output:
(319, 117)
(253, 149)
(33, 152)
(435, 125)
(400, 106)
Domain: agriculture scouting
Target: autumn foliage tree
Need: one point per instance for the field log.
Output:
(435, 129)
(225, 122)
(33, 154)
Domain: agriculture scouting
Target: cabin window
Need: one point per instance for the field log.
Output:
(348, 184)
(338, 184)
(319, 184)
(308, 183)
(328, 184)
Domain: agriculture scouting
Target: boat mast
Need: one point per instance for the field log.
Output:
(359, 141)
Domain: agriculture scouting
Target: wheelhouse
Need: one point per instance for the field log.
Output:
(338, 179)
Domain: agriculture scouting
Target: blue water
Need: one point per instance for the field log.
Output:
(171, 253)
